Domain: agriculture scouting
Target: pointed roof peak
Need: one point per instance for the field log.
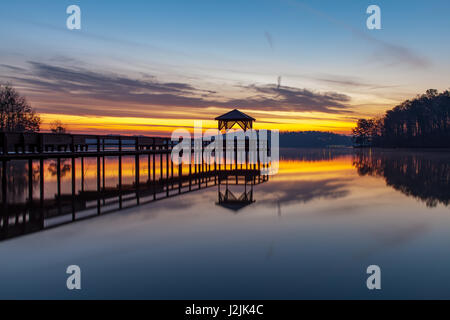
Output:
(235, 114)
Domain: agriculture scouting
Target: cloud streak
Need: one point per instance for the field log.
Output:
(75, 83)
(392, 54)
(269, 39)
(284, 98)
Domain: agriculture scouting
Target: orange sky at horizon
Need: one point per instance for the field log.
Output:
(165, 126)
(103, 116)
(86, 113)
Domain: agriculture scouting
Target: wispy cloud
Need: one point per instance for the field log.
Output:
(12, 68)
(269, 39)
(284, 98)
(349, 82)
(391, 54)
(72, 82)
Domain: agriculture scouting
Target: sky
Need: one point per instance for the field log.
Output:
(146, 67)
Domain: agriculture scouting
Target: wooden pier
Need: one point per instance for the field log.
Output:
(151, 153)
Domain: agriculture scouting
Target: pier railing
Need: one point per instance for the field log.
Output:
(20, 145)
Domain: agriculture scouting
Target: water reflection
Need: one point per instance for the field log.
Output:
(62, 165)
(306, 175)
(310, 231)
(422, 175)
(18, 180)
(235, 200)
(315, 154)
(76, 189)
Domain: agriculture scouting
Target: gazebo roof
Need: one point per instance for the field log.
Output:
(235, 115)
(234, 206)
(230, 201)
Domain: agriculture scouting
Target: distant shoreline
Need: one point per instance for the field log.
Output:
(446, 149)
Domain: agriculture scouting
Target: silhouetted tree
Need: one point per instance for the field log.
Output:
(57, 127)
(362, 134)
(421, 122)
(16, 115)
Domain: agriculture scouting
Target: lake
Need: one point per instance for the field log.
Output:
(309, 232)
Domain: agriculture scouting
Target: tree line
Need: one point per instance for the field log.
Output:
(421, 122)
(313, 139)
(16, 114)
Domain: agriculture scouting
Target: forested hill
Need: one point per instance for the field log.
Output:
(313, 139)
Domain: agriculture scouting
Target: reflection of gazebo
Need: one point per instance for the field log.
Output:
(235, 203)
(229, 119)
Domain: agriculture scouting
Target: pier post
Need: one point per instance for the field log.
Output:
(190, 171)
(30, 181)
(82, 174)
(215, 167)
(58, 179)
(258, 148)
(180, 170)
(4, 216)
(224, 153)
(137, 172)
(73, 187)
(58, 176)
(120, 173)
(195, 166)
(154, 169)
(4, 186)
(202, 168)
(161, 163)
(41, 189)
(98, 177)
(148, 166)
(171, 162)
(103, 167)
(180, 176)
(167, 168)
(235, 155)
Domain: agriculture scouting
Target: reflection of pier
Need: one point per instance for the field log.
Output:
(34, 216)
(162, 179)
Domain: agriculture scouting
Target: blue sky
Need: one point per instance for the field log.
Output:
(227, 47)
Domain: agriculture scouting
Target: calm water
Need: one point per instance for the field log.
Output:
(311, 233)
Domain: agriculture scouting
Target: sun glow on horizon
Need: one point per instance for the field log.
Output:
(165, 126)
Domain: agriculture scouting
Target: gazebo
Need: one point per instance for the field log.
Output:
(235, 203)
(229, 119)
